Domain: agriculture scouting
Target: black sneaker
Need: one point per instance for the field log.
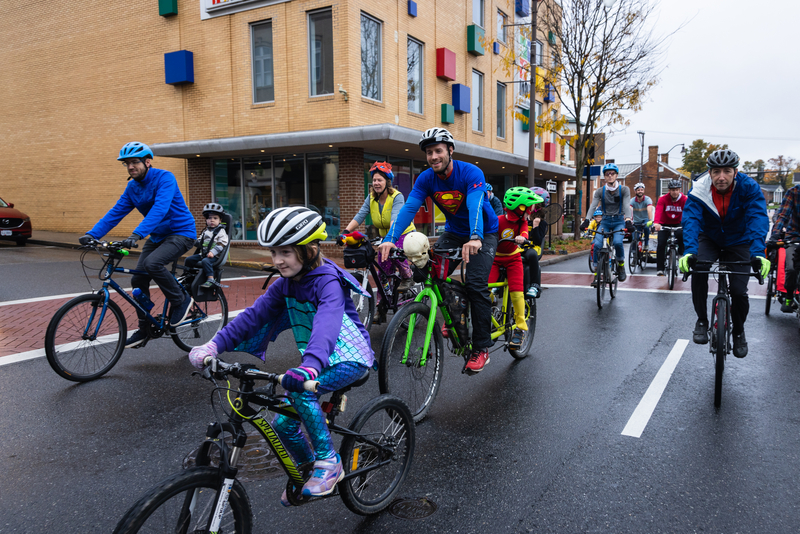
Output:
(136, 340)
(517, 337)
(621, 274)
(787, 306)
(700, 334)
(178, 313)
(739, 345)
(594, 281)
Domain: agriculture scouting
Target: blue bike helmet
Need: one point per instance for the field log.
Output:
(610, 167)
(488, 187)
(135, 149)
(597, 212)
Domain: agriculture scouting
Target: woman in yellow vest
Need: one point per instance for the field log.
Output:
(383, 204)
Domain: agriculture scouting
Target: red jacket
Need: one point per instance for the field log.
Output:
(669, 212)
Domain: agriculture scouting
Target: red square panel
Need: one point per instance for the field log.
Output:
(445, 64)
(550, 151)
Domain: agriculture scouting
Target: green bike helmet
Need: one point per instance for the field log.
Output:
(520, 196)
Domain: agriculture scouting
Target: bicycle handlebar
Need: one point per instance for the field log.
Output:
(113, 246)
(757, 275)
(216, 368)
(612, 232)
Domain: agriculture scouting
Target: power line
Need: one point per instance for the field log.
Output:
(723, 136)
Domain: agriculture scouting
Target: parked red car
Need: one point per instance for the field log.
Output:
(14, 225)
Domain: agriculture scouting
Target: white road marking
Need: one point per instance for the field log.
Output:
(40, 353)
(641, 415)
(641, 290)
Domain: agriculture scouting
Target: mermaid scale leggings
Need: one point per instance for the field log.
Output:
(312, 416)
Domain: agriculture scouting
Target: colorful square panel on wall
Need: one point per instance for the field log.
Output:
(179, 67)
(461, 98)
(445, 64)
(474, 35)
(448, 114)
(167, 7)
(412, 8)
(523, 7)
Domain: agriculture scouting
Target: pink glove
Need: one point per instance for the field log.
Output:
(199, 354)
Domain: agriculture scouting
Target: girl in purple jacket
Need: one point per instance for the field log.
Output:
(312, 297)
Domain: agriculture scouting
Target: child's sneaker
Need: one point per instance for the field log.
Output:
(517, 337)
(327, 473)
(285, 500)
(208, 283)
(533, 292)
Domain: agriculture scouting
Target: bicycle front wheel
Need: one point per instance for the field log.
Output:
(672, 266)
(205, 319)
(365, 306)
(84, 339)
(409, 374)
(771, 284)
(185, 502)
(633, 257)
(602, 270)
(530, 319)
(719, 333)
(385, 435)
(591, 265)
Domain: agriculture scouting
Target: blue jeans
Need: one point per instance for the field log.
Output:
(645, 231)
(609, 224)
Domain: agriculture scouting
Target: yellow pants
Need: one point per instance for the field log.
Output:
(518, 300)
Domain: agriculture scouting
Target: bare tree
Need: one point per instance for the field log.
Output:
(606, 61)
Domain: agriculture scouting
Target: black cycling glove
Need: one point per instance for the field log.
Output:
(85, 239)
(629, 225)
(131, 241)
(584, 225)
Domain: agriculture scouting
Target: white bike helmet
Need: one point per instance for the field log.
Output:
(436, 135)
(416, 246)
(637, 186)
(293, 225)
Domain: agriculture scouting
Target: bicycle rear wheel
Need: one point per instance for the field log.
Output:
(414, 382)
(719, 334)
(530, 319)
(364, 306)
(771, 285)
(184, 502)
(602, 269)
(384, 421)
(672, 268)
(633, 256)
(591, 265)
(76, 348)
(205, 319)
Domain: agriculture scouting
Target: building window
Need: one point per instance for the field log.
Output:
(320, 47)
(323, 189)
(501, 110)
(502, 20)
(263, 78)
(228, 192)
(415, 75)
(553, 134)
(370, 57)
(537, 109)
(477, 12)
(537, 53)
(477, 101)
(257, 180)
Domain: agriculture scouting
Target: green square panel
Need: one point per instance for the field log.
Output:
(526, 126)
(474, 35)
(167, 7)
(448, 114)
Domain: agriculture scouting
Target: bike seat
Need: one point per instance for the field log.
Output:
(361, 381)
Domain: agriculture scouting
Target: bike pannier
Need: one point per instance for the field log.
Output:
(358, 257)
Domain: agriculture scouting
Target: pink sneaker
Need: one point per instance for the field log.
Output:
(327, 473)
(285, 500)
(477, 361)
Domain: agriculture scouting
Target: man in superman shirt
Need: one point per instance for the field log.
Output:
(459, 190)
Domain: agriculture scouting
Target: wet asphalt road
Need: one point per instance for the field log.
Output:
(529, 446)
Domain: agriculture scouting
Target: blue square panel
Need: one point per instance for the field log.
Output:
(461, 98)
(496, 47)
(179, 67)
(412, 8)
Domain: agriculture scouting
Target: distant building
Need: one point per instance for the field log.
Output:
(655, 175)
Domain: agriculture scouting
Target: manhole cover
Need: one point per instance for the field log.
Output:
(255, 463)
(412, 508)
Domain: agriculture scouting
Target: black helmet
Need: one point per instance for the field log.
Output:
(213, 207)
(723, 158)
(674, 184)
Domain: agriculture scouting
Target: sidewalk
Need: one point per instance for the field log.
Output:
(241, 257)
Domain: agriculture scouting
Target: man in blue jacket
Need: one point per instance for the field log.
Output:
(459, 190)
(170, 224)
(724, 218)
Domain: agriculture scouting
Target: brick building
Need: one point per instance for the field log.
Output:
(256, 104)
(655, 175)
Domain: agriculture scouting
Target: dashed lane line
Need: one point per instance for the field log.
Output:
(641, 415)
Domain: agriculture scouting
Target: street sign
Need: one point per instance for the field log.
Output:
(550, 186)
(591, 170)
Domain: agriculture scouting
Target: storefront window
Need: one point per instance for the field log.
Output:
(401, 168)
(257, 193)
(228, 192)
(290, 181)
(323, 190)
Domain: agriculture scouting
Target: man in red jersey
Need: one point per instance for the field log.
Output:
(669, 212)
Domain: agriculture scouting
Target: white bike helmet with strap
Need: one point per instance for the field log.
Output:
(293, 225)
(436, 135)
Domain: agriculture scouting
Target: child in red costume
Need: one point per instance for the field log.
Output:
(518, 203)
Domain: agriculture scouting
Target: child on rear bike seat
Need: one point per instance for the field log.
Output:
(312, 297)
(210, 243)
(518, 203)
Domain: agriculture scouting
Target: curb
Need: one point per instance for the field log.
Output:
(565, 257)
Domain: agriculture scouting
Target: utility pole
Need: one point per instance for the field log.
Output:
(641, 160)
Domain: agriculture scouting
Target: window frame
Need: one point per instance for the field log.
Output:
(379, 23)
(538, 53)
(312, 51)
(421, 71)
(501, 110)
(538, 108)
(482, 15)
(253, 27)
(502, 34)
(477, 101)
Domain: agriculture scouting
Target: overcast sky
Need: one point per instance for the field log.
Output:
(731, 75)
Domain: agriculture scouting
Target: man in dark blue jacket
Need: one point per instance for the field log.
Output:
(724, 218)
(168, 222)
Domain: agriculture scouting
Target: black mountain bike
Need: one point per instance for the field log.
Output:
(606, 267)
(720, 327)
(376, 450)
(637, 255)
(671, 258)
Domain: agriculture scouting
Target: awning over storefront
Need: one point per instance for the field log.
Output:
(379, 138)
